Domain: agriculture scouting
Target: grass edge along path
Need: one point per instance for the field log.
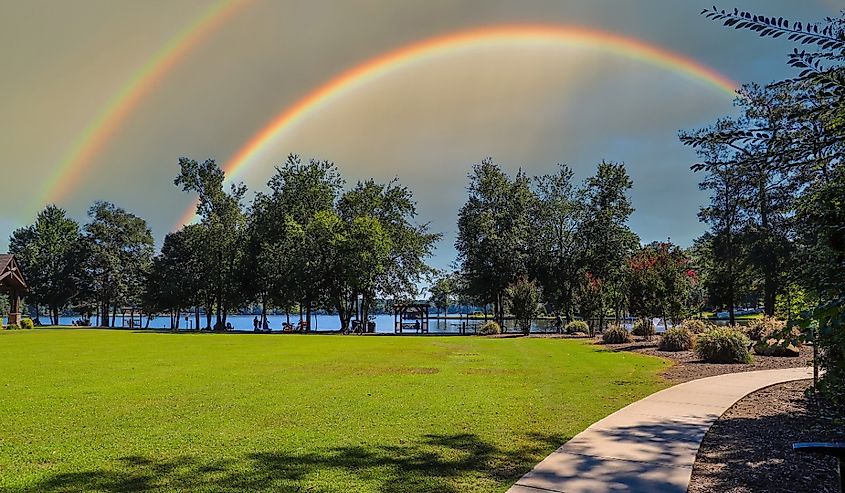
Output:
(99, 410)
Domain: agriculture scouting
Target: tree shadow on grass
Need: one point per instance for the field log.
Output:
(438, 463)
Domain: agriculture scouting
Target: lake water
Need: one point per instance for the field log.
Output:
(384, 323)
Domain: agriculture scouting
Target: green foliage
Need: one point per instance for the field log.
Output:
(304, 392)
(608, 238)
(442, 292)
(723, 345)
(577, 326)
(558, 249)
(27, 324)
(50, 255)
(794, 301)
(660, 282)
(644, 328)
(824, 326)
(490, 328)
(524, 302)
(177, 279)
(223, 226)
(763, 328)
(494, 233)
(118, 250)
(696, 325)
(786, 189)
(13, 327)
(676, 339)
(616, 334)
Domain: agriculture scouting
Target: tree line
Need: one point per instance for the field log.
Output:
(527, 244)
(306, 242)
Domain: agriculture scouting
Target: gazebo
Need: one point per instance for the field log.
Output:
(418, 312)
(12, 283)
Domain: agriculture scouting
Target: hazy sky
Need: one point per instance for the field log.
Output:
(526, 106)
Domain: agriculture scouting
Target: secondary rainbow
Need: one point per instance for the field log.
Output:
(461, 41)
(95, 136)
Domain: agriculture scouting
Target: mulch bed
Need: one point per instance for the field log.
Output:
(749, 448)
(689, 367)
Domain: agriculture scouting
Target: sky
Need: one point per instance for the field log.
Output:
(100, 98)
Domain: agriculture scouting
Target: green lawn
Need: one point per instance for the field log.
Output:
(100, 410)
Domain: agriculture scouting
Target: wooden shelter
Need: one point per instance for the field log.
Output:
(13, 283)
(417, 313)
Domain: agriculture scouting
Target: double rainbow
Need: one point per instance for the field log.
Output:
(466, 41)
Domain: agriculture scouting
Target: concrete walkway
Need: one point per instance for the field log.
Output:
(650, 445)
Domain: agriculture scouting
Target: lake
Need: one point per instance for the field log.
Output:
(384, 323)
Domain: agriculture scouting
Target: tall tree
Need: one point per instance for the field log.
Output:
(381, 216)
(558, 249)
(279, 234)
(494, 233)
(224, 224)
(727, 213)
(48, 252)
(118, 250)
(608, 239)
(176, 278)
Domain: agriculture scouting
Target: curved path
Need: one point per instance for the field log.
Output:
(650, 445)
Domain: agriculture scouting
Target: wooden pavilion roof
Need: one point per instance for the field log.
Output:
(11, 276)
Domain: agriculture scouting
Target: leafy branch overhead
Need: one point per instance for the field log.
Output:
(829, 38)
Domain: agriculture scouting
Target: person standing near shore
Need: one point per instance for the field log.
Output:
(255, 324)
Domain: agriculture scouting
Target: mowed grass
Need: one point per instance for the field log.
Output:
(106, 410)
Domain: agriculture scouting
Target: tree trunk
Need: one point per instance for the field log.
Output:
(113, 314)
(104, 321)
(308, 316)
(263, 309)
(197, 317)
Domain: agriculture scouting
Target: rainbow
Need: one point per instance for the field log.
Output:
(94, 137)
(463, 41)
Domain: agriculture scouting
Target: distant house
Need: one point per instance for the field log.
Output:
(13, 283)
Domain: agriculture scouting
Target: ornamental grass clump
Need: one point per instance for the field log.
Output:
(763, 328)
(723, 345)
(490, 328)
(696, 325)
(676, 339)
(644, 328)
(27, 324)
(616, 334)
(577, 326)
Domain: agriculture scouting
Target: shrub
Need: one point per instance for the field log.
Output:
(644, 328)
(489, 328)
(723, 345)
(761, 328)
(27, 324)
(577, 326)
(13, 327)
(676, 339)
(615, 334)
(696, 325)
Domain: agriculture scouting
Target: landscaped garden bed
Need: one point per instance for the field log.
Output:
(689, 366)
(750, 447)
